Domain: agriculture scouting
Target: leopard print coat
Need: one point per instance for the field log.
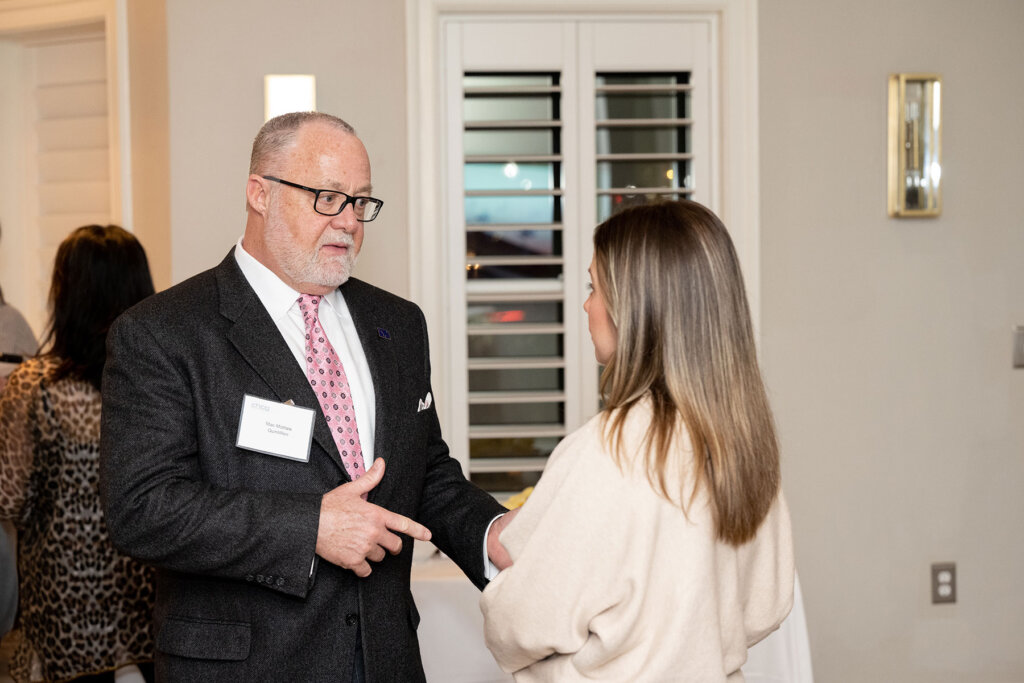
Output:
(83, 606)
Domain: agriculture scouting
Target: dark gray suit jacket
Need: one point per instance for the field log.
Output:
(8, 583)
(233, 532)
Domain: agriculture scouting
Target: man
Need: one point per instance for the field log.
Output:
(278, 550)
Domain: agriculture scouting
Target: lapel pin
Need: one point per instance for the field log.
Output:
(383, 334)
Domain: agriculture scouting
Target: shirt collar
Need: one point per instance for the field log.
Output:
(273, 293)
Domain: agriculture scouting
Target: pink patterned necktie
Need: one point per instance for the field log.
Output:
(327, 377)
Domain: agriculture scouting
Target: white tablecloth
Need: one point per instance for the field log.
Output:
(784, 656)
(452, 643)
(451, 631)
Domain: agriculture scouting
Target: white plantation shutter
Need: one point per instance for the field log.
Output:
(550, 126)
(71, 163)
(514, 190)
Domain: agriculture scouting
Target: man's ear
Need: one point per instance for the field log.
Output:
(256, 194)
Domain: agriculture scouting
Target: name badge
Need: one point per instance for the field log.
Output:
(273, 428)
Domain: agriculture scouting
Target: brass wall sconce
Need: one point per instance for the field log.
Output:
(915, 145)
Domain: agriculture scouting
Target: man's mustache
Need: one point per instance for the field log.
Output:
(345, 242)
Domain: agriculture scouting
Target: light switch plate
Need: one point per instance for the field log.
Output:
(1018, 347)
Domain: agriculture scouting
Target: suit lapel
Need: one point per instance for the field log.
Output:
(379, 352)
(260, 343)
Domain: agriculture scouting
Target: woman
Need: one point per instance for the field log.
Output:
(84, 608)
(656, 546)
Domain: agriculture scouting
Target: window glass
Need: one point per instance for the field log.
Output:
(514, 312)
(514, 243)
(516, 414)
(510, 176)
(520, 379)
(510, 142)
(514, 345)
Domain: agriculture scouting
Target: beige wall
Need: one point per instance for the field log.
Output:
(218, 55)
(18, 290)
(887, 343)
(150, 143)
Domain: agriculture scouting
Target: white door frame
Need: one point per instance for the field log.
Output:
(19, 20)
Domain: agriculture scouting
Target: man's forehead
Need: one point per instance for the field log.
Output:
(327, 152)
(317, 132)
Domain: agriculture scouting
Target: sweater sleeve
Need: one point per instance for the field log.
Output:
(611, 579)
(568, 544)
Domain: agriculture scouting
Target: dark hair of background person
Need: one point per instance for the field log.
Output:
(99, 272)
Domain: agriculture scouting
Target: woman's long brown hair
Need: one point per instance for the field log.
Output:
(674, 291)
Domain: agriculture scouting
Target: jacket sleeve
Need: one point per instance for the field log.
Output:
(456, 512)
(8, 583)
(159, 502)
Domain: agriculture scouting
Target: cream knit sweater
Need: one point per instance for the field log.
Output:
(612, 582)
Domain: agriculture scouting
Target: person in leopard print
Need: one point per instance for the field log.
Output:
(84, 608)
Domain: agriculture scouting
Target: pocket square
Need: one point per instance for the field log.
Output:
(425, 403)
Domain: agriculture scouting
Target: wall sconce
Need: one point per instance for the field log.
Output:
(915, 145)
(283, 94)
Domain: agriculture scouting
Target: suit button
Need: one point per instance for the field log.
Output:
(280, 581)
(250, 577)
(351, 619)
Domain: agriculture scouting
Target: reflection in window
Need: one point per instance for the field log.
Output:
(514, 243)
(514, 345)
(643, 138)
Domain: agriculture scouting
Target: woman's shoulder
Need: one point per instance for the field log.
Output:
(595, 441)
(33, 371)
(23, 388)
(616, 442)
(635, 422)
(38, 374)
(636, 418)
(585, 441)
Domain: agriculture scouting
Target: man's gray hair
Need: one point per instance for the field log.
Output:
(278, 133)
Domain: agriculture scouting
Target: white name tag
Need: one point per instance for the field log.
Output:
(275, 428)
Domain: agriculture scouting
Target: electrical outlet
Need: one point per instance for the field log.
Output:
(943, 582)
(1018, 347)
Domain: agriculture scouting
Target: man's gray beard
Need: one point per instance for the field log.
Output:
(309, 270)
(316, 273)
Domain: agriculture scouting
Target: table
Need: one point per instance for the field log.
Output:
(451, 631)
(452, 641)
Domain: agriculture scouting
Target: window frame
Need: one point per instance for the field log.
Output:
(435, 273)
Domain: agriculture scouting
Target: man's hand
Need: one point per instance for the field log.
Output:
(495, 550)
(353, 532)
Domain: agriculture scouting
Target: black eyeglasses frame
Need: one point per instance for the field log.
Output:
(349, 199)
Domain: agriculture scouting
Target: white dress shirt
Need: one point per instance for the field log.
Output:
(281, 302)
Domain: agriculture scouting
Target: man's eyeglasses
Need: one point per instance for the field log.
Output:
(333, 202)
